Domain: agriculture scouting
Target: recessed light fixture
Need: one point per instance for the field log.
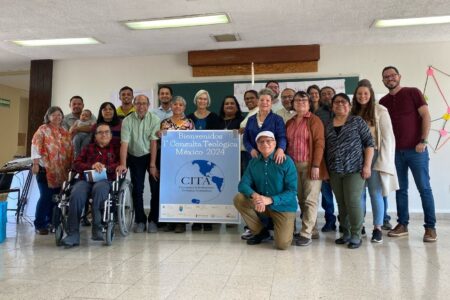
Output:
(175, 22)
(57, 42)
(411, 21)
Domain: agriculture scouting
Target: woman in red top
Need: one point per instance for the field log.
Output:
(305, 145)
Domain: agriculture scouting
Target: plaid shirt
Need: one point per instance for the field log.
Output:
(92, 153)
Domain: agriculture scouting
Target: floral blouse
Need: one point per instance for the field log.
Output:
(183, 124)
(53, 147)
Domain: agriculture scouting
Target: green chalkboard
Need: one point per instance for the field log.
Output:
(219, 90)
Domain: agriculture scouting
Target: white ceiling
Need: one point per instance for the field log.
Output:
(258, 22)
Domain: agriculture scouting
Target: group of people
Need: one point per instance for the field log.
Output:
(293, 149)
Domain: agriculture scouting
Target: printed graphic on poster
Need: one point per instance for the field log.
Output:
(199, 176)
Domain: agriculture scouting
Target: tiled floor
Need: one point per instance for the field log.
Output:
(218, 265)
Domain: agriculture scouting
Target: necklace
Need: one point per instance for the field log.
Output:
(227, 123)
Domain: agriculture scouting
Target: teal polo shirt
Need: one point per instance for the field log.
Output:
(267, 178)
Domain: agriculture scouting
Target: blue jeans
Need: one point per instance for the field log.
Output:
(418, 163)
(373, 183)
(80, 193)
(386, 217)
(45, 204)
(327, 203)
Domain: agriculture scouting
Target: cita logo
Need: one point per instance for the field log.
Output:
(200, 180)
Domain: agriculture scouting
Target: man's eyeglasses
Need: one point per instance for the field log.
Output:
(340, 102)
(105, 132)
(267, 141)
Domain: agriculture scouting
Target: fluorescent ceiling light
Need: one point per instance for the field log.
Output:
(175, 22)
(57, 42)
(411, 21)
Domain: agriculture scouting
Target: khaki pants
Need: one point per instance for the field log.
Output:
(283, 221)
(308, 196)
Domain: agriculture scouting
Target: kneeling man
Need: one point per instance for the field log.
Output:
(103, 154)
(270, 189)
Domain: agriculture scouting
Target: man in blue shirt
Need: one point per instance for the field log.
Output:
(269, 189)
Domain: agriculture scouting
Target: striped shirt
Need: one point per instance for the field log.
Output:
(297, 134)
(345, 151)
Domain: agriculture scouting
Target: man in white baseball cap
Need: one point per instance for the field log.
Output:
(269, 189)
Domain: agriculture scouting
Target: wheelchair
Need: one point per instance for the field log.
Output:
(118, 209)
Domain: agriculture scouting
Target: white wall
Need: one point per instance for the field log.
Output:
(95, 79)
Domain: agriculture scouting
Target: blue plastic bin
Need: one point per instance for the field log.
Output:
(3, 219)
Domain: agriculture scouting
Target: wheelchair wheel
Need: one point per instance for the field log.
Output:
(125, 208)
(110, 233)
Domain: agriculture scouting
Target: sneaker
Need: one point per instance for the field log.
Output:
(302, 241)
(399, 230)
(97, 235)
(140, 228)
(386, 225)
(180, 228)
(258, 238)
(247, 234)
(315, 234)
(152, 227)
(342, 240)
(377, 236)
(328, 227)
(363, 231)
(430, 235)
(196, 227)
(352, 245)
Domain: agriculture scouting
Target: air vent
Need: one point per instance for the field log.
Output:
(232, 37)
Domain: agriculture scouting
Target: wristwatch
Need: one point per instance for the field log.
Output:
(423, 141)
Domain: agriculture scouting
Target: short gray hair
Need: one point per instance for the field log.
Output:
(268, 92)
(50, 111)
(201, 92)
(179, 99)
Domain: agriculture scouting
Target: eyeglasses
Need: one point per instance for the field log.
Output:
(340, 102)
(390, 76)
(267, 141)
(105, 132)
(287, 97)
(141, 103)
(304, 100)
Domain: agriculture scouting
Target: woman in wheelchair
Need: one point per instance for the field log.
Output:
(96, 165)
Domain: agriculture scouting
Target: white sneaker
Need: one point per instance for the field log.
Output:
(152, 227)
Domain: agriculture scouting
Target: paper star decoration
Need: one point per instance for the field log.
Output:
(444, 134)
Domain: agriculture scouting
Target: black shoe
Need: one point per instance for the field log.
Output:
(363, 231)
(258, 238)
(342, 240)
(207, 227)
(386, 225)
(71, 241)
(352, 245)
(328, 227)
(97, 235)
(196, 227)
(302, 241)
(377, 236)
(169, 227)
